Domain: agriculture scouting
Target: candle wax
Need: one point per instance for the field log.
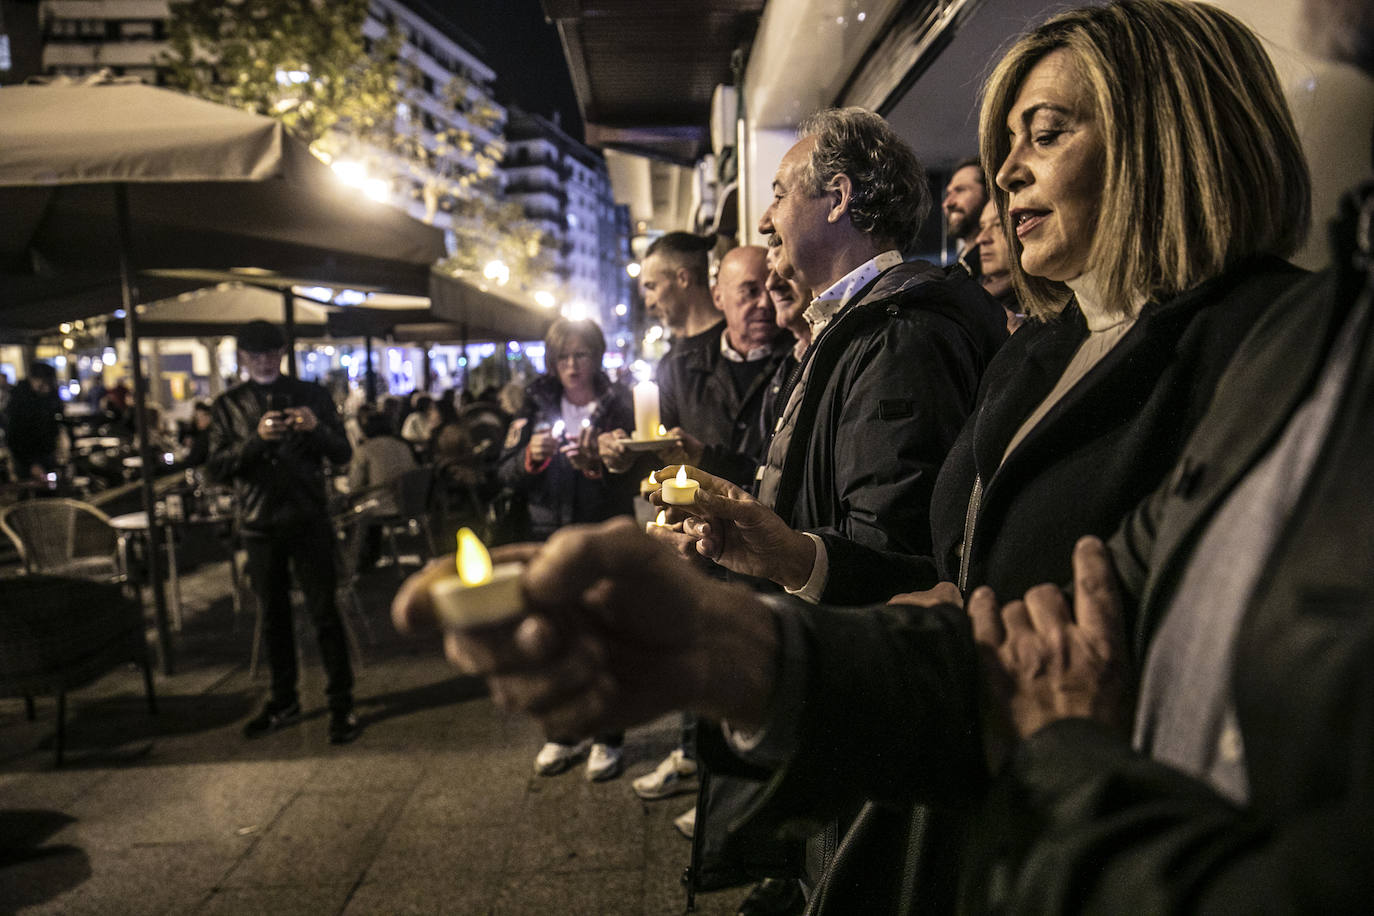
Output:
(462, 606)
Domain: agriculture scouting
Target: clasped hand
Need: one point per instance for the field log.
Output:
(1043, 662)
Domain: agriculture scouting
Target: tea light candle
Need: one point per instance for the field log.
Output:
(648, 485)
(480, 595)
(646, 410)
(681, 490)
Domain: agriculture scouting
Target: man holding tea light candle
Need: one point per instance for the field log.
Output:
(712, 385)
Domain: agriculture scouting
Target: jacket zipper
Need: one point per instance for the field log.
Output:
(975, 499)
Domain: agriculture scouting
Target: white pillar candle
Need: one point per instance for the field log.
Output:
(479, 595)
(646, 410)
(681, 490)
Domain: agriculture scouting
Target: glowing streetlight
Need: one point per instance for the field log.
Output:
(497, 272)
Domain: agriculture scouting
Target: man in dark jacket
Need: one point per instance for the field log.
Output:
(897, 347)
(715, 389)
(270, 437)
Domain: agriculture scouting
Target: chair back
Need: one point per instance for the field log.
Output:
(414, 489)
(62, 537)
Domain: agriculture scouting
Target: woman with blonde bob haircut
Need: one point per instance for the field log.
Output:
(1203, 167)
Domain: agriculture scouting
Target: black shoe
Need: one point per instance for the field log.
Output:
(272, 718)
(773, 897)
(343, 726)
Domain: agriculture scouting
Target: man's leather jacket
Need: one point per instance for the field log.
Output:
(277, 485)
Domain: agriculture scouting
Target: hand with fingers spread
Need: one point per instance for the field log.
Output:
(1044, 661)
(616, 632)
(741, 533)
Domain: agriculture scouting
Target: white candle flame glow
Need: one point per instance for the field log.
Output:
(662, 518)
(557, 431)
(681, 478)
(653, 477)
(662, 431)
(474, 563)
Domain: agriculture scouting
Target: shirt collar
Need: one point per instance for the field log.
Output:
(827, 304)
(734, 356)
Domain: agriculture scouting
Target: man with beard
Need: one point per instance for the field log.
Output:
(965, 196)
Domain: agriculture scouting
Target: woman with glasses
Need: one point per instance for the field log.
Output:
(550, 458)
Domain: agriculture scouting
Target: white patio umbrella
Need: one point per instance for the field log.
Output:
(98, 182)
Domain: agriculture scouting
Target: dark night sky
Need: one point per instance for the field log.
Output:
(522, 48)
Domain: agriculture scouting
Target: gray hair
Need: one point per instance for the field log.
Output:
(891, 196)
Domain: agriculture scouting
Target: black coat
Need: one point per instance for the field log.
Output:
(892, 378)
(560, 494)
(697, 392)
(1105, 446)
(277, 485)
(35, 421)
(1127, 828)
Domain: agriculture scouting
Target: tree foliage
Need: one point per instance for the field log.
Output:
(309, 64)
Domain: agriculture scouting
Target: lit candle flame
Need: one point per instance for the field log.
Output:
(662, 431)
(681, 478)
(662, 519)
(557, 431)
(653, 477)
(586, 422)
(474, 563)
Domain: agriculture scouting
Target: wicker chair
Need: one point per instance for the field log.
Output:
(64, 537)
(58, 634)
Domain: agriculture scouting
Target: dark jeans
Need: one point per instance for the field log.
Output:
(309, 548)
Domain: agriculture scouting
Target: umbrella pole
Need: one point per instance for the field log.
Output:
(370, 380)
(288, 307)
(145, 452)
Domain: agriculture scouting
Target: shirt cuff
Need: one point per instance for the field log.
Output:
(773, 743)
(820, 574)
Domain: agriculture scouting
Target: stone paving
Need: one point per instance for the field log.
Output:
(434, 809)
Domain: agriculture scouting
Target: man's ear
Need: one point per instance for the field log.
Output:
(683, 276)
(840, 192)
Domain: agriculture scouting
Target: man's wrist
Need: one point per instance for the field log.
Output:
(799, 559)
(741, 651)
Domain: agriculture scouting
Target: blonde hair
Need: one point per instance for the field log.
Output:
(1202, 168)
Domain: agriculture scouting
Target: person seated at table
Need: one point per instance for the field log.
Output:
(378, 461)
(197, 440)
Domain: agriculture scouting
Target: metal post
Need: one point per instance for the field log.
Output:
(370, 380)
(288, 307)
(145, 451)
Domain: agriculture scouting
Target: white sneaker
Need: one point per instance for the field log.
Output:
(603, 762)
(553, 758)
(675, 775)
(686, 823)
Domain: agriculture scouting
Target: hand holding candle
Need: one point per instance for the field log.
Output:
(479, 595)
(681, 490)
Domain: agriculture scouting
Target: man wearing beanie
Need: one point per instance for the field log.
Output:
(270, 436)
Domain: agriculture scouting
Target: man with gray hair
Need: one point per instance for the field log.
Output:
(897, 347)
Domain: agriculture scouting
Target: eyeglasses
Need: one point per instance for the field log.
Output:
(582, 356)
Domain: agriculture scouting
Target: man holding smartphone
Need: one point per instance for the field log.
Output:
(270, 437)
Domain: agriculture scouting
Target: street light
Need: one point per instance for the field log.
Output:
(497, 271)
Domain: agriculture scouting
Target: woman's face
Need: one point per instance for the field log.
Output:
(577, 366)
(1053, 170)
